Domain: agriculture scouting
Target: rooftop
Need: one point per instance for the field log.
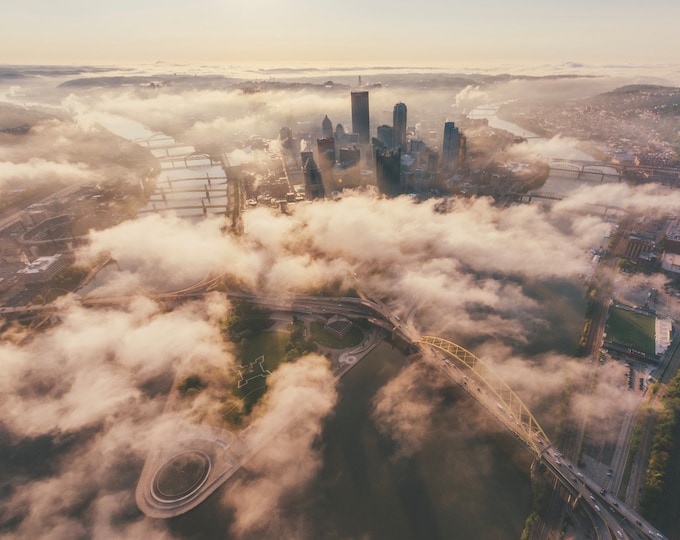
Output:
(40, 264)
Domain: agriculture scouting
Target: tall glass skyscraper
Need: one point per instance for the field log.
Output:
(399, 125)
(327, 127)
(360, 123)
(450, 146)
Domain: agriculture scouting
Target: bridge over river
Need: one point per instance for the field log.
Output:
(489, 390)
(608, 169)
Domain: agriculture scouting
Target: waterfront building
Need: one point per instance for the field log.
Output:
(399, 123)
(450, 146)
(360, 115)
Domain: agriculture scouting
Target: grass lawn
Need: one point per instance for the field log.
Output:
(631, 329)
(323, 338)
(54, 294)
(271, 345)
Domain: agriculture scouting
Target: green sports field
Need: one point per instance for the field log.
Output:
(631, 329)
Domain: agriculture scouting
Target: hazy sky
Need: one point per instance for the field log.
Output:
(427, 32)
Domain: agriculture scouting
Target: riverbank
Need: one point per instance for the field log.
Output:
(507, 114)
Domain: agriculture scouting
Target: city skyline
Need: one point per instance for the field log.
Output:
(263, 31)
(276, 270)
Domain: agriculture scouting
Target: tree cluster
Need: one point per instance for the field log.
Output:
(664, 445)
(298, 344)
(246, 321)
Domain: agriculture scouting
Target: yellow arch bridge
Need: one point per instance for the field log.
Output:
(493, 393)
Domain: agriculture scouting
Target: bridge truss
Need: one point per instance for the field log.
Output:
(511, 411)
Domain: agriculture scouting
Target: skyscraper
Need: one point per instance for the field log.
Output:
(327, 127)
(386, 135)
(339, 135)
(399, 126)
(360, 123)
(388, 171)
(326, 152)
(450, 146)
(313, 184)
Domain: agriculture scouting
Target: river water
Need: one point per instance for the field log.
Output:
(562, 182)
(189, 185)
(462, 484)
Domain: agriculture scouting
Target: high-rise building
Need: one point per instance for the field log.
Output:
(450, 146)
(327, 127)
(385, 135)
(285, 133)
(339, 135)
(399, 123)
(388, 171)
(348, 157)
(305, 155)
(313, 184)
(360, 121)
(326, 152)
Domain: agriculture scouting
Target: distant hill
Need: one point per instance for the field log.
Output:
(198, 81)
(15, 119)
(634, 98)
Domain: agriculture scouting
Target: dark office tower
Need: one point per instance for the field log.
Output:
(360, 122)
(339, 135)
(326, 152)
(385, 135)
(450, 146)
(313, 184)
(285, 133)
(399, 123)
(327, 127)
(462, 151)
(388, 171)
(326, 146)
(305, 155)
(348, 157)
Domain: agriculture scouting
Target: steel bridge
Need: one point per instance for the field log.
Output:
(583, 166)
(510, 409)
(488, 389)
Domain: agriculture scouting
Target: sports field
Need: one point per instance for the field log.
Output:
(631, 329)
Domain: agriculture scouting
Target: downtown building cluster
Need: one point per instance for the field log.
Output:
(394, 160)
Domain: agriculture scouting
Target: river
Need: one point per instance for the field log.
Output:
(465, 483)
(189, 185)
(562, 182)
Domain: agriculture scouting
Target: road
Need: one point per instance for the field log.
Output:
(16, 216)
